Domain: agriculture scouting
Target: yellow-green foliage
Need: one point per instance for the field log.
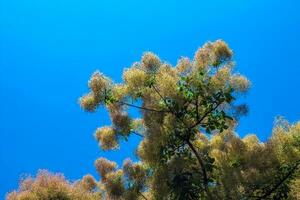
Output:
(180, 106)
(88, 182)
(107, 138)
(104, 166)
(189, 149)
(48, 186)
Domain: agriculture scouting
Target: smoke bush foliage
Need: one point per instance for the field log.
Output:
(189, 149)
(50, 186)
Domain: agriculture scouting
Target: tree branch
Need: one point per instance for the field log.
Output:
(197, 108)
(205, 115)
(138, 134)
(140, 107)
(143, 196)
(170, 109)
(200, 161)
(202, 167)
(156, 90)
(288, 175)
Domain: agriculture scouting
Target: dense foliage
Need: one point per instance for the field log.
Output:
(47, 186)
(188, 148)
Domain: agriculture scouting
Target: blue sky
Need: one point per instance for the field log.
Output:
(49, 49)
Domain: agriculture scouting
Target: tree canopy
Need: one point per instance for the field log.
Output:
(189, 148)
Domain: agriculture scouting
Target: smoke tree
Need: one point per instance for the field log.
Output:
(181, 107)
(189, 148)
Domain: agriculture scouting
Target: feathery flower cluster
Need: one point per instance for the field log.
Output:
(115, 181)
(183, 66)
(150, 62)
(136, 172)
(88, 182)
(107, 138)
(220, 53)
(240, 83)
(100, 87)
(114, 185)
(120, 119)
(134, 78)
(54, 186)
(213, 54)
(88, 102)
(104, 166)
(99, 83)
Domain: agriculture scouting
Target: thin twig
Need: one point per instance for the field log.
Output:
(138, 134)
(205, 115)
(140, 107)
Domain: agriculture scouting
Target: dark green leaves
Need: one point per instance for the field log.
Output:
(109, 98)
(185, 88)
(216, 120)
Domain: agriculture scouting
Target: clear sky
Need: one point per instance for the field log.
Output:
(49, 49)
